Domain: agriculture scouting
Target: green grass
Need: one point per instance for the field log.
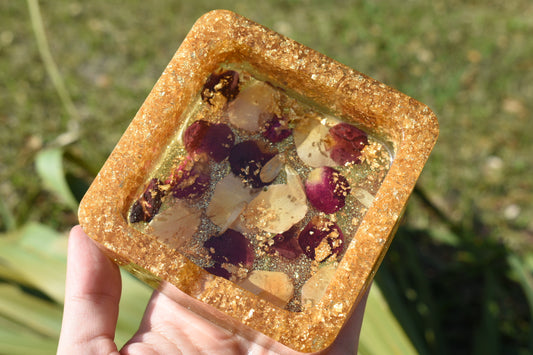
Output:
(458, 276)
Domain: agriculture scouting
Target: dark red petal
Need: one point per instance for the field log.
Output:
(346, 144)
(218, 141)
(326, 189)
(225, 83)
(350, 133)
(276, 129)
(137, 212)
(247, 159)
(191, 178)
(286, 244)
(214, 139)
(315, 232)
(218, 270)
(194, 135)
(230, 247)
(147, 206)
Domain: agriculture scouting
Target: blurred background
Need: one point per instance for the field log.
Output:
(458, 276)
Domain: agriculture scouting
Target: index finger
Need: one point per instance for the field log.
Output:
(92, 296)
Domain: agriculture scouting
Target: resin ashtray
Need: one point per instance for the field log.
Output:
(261, 178)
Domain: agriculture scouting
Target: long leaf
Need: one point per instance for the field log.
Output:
(49, 164)
(486, 337)
(23, 344)
(35, 256)
(525, 279)
(381, 333)
(7, 217)
(39, 254)
(48, 61)
(389, 286)
(39, 315)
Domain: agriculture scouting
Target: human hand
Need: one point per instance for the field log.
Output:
(92, 295)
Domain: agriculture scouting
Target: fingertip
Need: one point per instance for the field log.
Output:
(75, 239)
(76, 230)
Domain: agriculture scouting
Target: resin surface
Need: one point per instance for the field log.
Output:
(262, 189)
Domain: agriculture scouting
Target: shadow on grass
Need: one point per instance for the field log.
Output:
(458, 296)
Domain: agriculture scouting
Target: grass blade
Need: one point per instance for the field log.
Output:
(526, 281)
(7, 217)
(46, 56)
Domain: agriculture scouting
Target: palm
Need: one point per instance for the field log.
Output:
(168, 328)
(91, 310)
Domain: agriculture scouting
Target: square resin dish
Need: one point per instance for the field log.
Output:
(263, 179)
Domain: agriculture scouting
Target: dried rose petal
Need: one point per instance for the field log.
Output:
(225, 83)
(313, 290)
(147, 206)
(194, 134)
(277, 129)
(318, 145)
(326, 189)
(253, 106)
(215, 139)
(346, 144)
(286, 244)
(229, 199)
(273, 286)
(279, 207)
(247, 159)
(310, 138)
(321, 239)
(218, 270)
(230, 247)
(176, 224)
(191, 178)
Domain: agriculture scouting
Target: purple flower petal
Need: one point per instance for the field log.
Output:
(230, 247)
(276, 129)
(320, 239)
(347, 143)
(214, 139)
(326, 189)
(218, 270)
(191, 178)
(247, 159)
(286, 244)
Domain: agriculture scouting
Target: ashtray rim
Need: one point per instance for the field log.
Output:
(217, 37)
